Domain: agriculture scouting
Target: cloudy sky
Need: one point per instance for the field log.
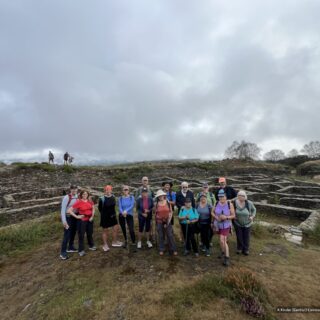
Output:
(136, 80)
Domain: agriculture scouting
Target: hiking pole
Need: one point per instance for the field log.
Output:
(127, 235)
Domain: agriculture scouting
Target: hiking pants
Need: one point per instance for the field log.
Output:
(129, 220)
(69, 234)
(205, 232)
(166, 232)
(85, 227)
(188, 234)
(243, 238)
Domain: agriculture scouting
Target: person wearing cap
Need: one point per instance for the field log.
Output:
(85, 207)
(108, 218)
(231, 194)
(205, 212)
(145, 184)
(171, 196)
(126, 205)
(211, 200)
(163, 215)
(144, 206)
(245, 212)
(188, 217)
(224, 213)
(69, 223)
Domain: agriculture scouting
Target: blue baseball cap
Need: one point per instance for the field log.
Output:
(221, 193)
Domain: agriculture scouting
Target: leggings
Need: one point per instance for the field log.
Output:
(129, 220)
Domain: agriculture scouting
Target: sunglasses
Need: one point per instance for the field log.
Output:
(125, 189)
(184, 187)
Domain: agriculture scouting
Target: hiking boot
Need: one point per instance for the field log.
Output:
(93, 248)
(139, 245)
(105, 248)
(226, 261)
(239, 251)
(124, 245)
(203, 248)
(81, 253)
(246, 253)
(116, 244)
(72, 249)
(63, 256)
(149, 244)
(207, 253)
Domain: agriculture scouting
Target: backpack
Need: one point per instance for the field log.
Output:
(247, 206)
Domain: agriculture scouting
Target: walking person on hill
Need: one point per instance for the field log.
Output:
(126, 205)
(144, 208)
(188, 217)
(223, 214)
(108, 218)
(51, 157)
(69, 223)
(163, 216)
(245, 212)
(66, 158)
(85, 208)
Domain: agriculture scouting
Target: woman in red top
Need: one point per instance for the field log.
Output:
(85, 209)
(163, 216)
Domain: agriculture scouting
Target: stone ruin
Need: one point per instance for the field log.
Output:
(289, 206)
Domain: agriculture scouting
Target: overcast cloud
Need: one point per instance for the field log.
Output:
(136, 80)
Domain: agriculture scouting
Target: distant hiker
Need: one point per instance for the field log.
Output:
(211, 200)
(145, 184)
(85, 208)
(108, 218)
(188, 217)
(163, 215)
(171, 196)
(205, 210)
(126, 206)
(66, 158)
(228, 190)
(224, 213)
(51, 157)
(69, 223)
(144, 208)
(181, 197)
(245, 212)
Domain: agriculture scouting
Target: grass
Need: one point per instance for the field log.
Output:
(36, 165)
(28, 235)
(313, 236)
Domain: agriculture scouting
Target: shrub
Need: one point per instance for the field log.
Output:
(314, 235)
(68, 169)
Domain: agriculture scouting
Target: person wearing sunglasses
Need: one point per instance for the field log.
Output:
(126, 205)
(144, 185)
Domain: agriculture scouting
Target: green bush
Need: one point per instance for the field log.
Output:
(313, 236)
(68, 169)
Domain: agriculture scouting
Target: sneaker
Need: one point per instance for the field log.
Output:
(81, 253)
(139, 246)
(186, 253)
(72, 249)
(149, 244)
(203, 248)
(93, 248)
(161, 253)
(207, 253)
(63, 257)
(117, 244)
(105, 248)
(196, 254)
(246, 253)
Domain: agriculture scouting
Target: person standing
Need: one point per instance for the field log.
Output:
(65, 158)
(211, 200)
(51, 157)
(230, 192)
(108, 218)
(145, 184)
(188, 217)
(69, 222)
(223, 214)
(205, 211)
(144, 208)
(85, 207)
(245, 212)
(163, 215)
(126, 205)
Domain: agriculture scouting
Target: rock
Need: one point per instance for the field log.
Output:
(293, 238)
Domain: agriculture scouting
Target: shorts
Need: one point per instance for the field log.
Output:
(144, 223)
(108, 222)
(224, 232)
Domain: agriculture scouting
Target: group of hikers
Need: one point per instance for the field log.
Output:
(67, 158)
(204, 214)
